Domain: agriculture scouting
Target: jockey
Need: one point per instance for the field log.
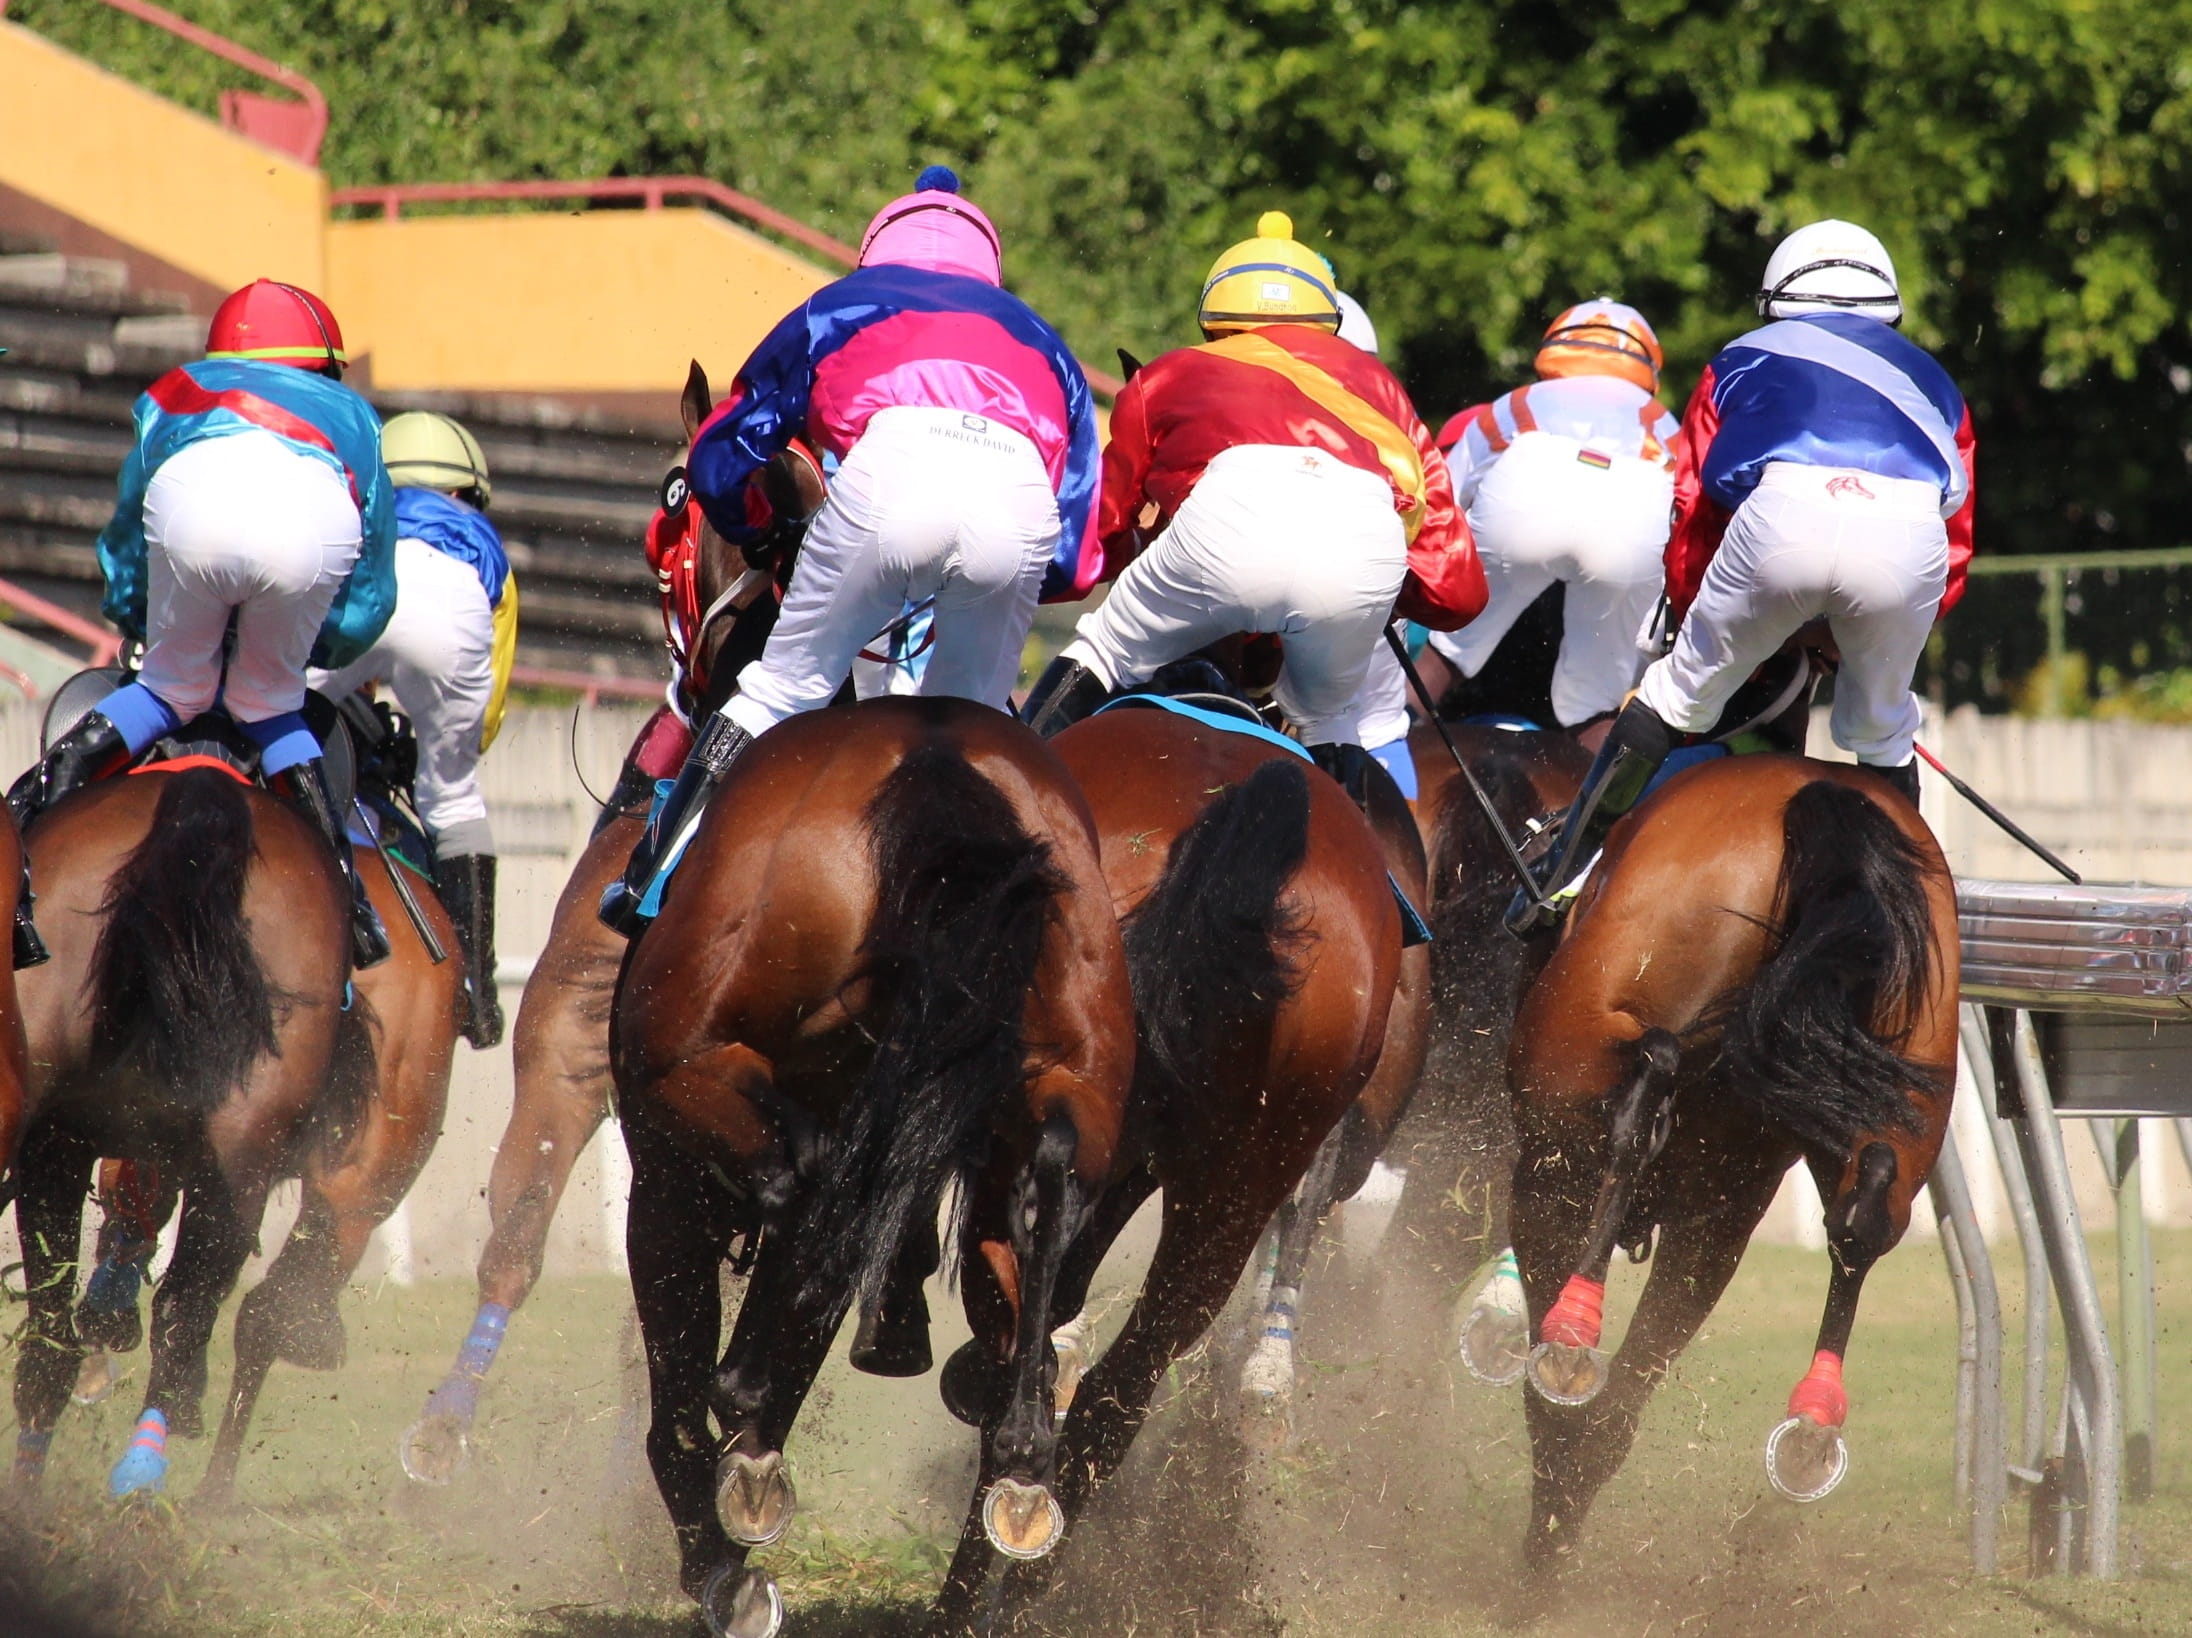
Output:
(254, 494)
(1571, 479)
(966, 443)
(446, 655)
(1293, 491)
(1826, 472)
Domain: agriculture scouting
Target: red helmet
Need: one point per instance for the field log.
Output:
(278, 323)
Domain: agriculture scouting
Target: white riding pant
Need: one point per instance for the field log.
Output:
(241, 522)
(437, 657)
(1870, 554)
(1546, 513)
(929, 503)
(1272, 539)
(1381, 703)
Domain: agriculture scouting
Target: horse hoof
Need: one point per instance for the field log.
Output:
(742, 1603)
(972, 1385)
(1495, 1345)
(95, 1378)
(1070, 1343)
(893, 1344)
(140, 1472)
(435, 1449)
(1266, 1428)
(1566, 1375)
(1805, 1461)
(1022, 1521)
(754, 1498)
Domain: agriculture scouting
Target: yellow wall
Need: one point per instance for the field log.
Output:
(603, 301)
(152, 174)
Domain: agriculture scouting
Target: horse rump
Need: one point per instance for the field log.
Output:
(964, 896)
(176, 986)
(1814, 1040)
(1208, 950)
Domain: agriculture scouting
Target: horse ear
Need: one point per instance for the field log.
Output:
(695, 403)
(1129, 365)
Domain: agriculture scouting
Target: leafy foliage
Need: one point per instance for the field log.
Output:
(1471, 166)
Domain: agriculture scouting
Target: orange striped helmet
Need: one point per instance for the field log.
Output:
(1601, 338)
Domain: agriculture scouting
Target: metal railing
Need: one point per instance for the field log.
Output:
(100, 643)
(296, 129)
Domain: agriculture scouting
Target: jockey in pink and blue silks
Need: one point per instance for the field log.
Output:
(964, 437)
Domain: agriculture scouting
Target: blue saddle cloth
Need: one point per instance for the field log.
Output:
(1414, 929)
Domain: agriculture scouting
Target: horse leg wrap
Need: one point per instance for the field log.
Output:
(1820, 1396)
(30, 1455)
(1576, 1320)
(458, 1394)
(143, 1466)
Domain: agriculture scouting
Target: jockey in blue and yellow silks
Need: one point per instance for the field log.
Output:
(254, 494)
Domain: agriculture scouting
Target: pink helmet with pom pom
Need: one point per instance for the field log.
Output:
(933, 228)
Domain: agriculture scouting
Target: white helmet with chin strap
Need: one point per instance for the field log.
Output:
(1831, 267)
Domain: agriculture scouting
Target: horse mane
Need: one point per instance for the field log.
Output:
(1207, 949)
(964, 896)
(175, 983)
(1814, 1040)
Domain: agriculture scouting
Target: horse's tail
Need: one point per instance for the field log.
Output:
(1814, 1040)
(175, 982)
(964, 896)
(1207, 950)
(1471, 877)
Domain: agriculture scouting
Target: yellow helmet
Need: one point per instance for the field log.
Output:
(1270, 279)
(423, 450)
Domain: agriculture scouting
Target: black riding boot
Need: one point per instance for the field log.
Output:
(1066, 692)
(30, 949)
(304, 785)
(1633, 752)
(467, 888)
(91, 750)
(1350, 765)
(1904, 779)
(633, 789)
(720, 742)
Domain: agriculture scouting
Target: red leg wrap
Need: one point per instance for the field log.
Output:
(1577, 1318)
(1820, 1396)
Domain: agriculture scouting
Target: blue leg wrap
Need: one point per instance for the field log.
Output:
(283, 741)
(114, 1285)
(139, 715)
(30, 1455)
(458, 1395)
(143, 1467)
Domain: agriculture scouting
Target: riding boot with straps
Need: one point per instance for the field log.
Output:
(720, 742)
(1634, 751)
(304, 786)
(1066, 692)
(90, 750)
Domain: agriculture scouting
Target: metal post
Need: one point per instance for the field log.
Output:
(1967, 1353)
(2134, 1313)
(1987, 1463)
(2017, 1190)
(2052, 609)
(2093, 1370)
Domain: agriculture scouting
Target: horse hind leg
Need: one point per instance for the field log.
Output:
(1806, 1455)
(1267, 1374)
(1567, 1366)
(49, 1210)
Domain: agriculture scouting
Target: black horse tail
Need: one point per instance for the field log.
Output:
(176, 986)
(1814, 1040)
(1208, 949)
(964, 896)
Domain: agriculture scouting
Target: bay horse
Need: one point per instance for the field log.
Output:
(189, 1017)
(888, 962)
(1264, 943)
(1761, 969)
(560, 1046)
(14, 1049)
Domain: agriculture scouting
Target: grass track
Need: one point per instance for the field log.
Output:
(1398, 1512)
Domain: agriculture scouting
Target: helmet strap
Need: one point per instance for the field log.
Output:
(1781, 292)
(332, 368)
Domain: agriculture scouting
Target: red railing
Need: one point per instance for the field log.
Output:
(101, 643)
(294, 128)
(652, 192)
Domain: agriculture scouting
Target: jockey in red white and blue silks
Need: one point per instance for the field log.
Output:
(964, 438)
(253, 500)
(1825, 473)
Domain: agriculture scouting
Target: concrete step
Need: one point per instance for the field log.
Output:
(81, 284)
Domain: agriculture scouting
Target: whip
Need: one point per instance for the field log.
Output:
(1997, 815)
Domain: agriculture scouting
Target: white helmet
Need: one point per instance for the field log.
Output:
(1355, 325)
(1831, 267)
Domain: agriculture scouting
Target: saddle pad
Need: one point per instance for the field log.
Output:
(180, 764)
(1414, 930)
(2095, 948)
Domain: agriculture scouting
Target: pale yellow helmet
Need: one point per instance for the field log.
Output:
(423, 450)
(1270, 279)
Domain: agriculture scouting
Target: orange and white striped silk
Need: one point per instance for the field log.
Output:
(1602, 412)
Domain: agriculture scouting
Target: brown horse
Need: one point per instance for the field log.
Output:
(1265, 947)
(1762, 969)
(14, 1050)
(561, 1042)
(189, 1017)
(888, 961)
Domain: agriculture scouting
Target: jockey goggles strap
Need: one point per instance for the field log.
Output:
(1781, 291)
